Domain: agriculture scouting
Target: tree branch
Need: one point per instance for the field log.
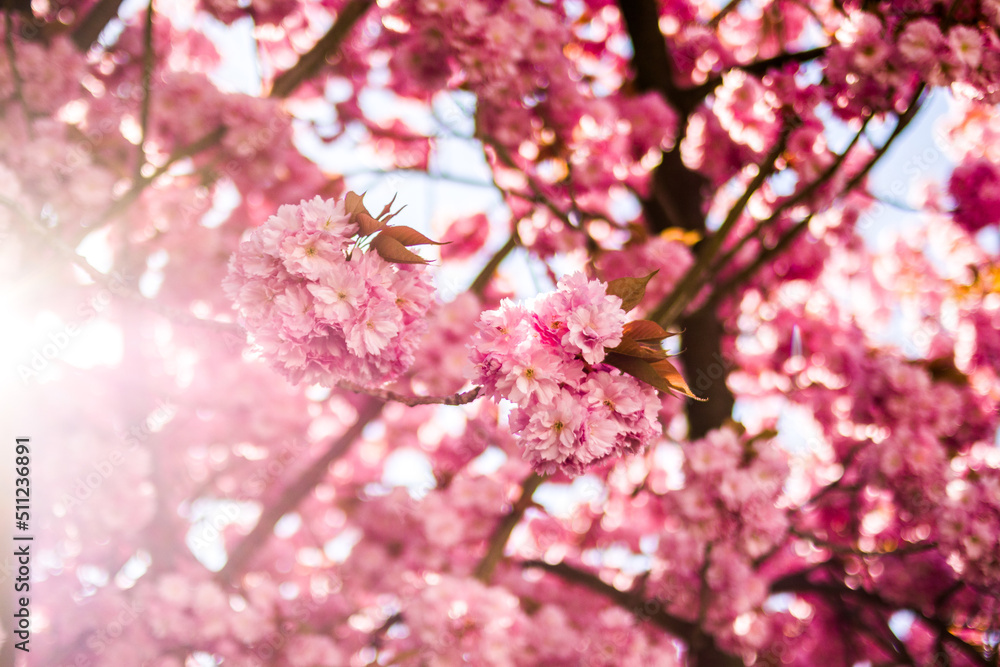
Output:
(673, 305)
(769, 254)
(14, 72)
(537, 196)
(654, 69)
(645, 609)
(90, 28)
(722, 13)
(677, 199)
(653, 65)
(478, 286)
(791, 201)
(757, 68)
(759, 261)
(498, 540)
(313, 60)
(118, 206)
(798, 584)
(148, 62)
(294, 493)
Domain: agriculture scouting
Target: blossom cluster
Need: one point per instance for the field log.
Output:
(320, 308)
(969, 520)
(975, 185)
(46, 76)
(483, 621)
(579, 128)
(424, 539)
(731, 499)
(572, 410)
(867, 69)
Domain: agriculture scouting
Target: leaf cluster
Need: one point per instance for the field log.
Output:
(640, 353)
(389, 241)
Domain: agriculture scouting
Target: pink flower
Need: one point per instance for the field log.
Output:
(532, 373)
(327, 216)
(920, 41)
(257, 297)
(339, 295)
(569, 414)
(603, 388)
(310, 254)
(285, 221)
(373, 328)
(553, 429)
(975, 185)
(317, 315)
(502, 327)
(591, 328)
(465, 237)
(870, 52)
(600, 434)
(966, 44)
(296, 308)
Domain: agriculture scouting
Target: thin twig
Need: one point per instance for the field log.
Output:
(309, 63)
(644, 609)
(904, 120)
(722, 291)
(478, 286)
(538, 197)
(387, 395)
(757, 68)
(498, 540)
(722, 13)
(703, 595)
(795, 583)
(791, 201)
(769, 254)
(119, 206)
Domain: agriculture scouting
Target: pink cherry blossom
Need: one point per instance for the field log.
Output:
(572, 411)
(975, 185)
(321, 316)
(836, 500)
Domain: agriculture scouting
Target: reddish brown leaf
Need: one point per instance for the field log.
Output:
(392, 250)
(389, 217)
(367, 224)
(388, 207)
(645, 330)
(673, 377)
(633, 348)
(629, 290)
(639, 369)
(659, 374)
(407, 236)
(354, 204)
